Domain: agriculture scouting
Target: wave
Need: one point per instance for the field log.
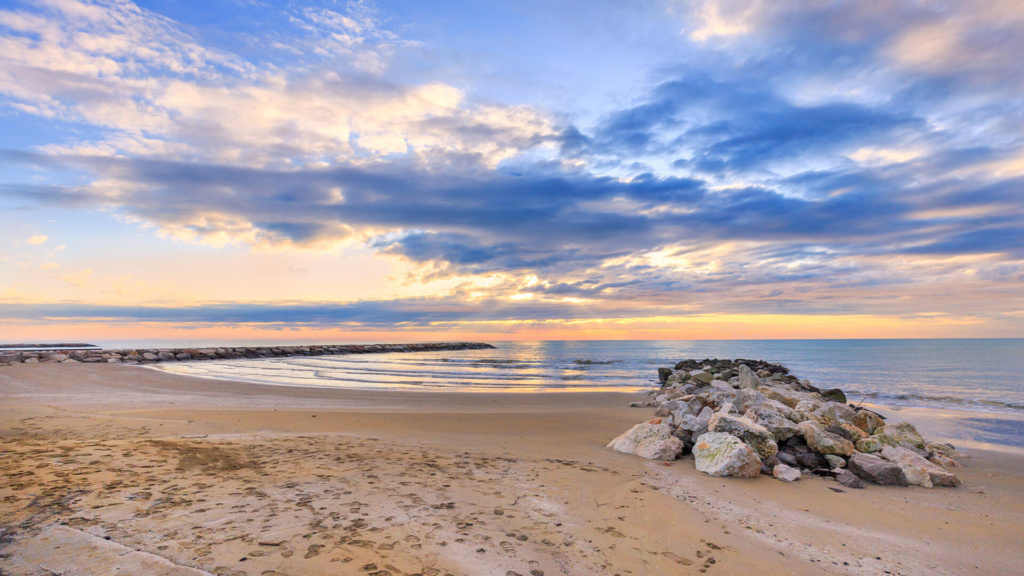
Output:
(911, 399)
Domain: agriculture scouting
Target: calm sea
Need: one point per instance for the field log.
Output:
(977, 376)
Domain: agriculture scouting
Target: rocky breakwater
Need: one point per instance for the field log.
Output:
(747, 418)
(152, 355)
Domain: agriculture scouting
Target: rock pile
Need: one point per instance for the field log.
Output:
(748, 417)
(146, 356)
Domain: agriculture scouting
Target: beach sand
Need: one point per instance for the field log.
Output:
(114, 467)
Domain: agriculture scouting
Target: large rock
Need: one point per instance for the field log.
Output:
(786, 473)
(904, 433)
(652, 440)
(663, 374)
(918, 470)
(721, 454)
(781, 428)
(868, 421)
(753, 434)
(876, 470)
(836, 412)
(835, 395)
(824, 442)
(869, 445)
(702, 377)
(748, 378)
(788, 397)
(850, 480)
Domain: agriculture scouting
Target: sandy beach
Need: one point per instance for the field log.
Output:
(119, 469)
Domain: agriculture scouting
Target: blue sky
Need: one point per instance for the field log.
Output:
(522, 170)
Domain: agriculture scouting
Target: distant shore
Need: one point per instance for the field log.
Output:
(122, 467)
(86, 353)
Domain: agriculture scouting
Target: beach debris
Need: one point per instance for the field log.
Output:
(749, 417)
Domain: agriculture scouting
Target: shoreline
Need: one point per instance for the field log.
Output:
(225, 477)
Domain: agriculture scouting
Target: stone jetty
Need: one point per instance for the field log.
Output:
(153, 355)
(746, 418)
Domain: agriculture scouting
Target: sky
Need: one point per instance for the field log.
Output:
(237, 170)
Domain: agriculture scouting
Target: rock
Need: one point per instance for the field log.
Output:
(943, 460)
(835, 395)
(850, 480)
(786, 473)
(835, 412)
(663, 374)
(946, 450)
(702, 377)
(869, 445)
(722, 385)
(811, 460)
(904, 433)
(835, 461)
(790, 399)
(753, 434)
(918, 470)
(748, 378)
(747, 398)
(874, 469)
(677, 377)
(728, 374)
(786, 458)
(807, 406)
(165, 355)
(31, 360)
(150, 356)
(781, 428)
(824, 442)
(650, 440)
(868, 421)
(721, 454)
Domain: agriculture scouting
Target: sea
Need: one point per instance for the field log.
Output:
(979, 383)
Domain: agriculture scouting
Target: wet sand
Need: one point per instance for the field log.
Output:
(110, 466)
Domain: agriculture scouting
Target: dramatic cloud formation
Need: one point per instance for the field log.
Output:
(794, 158)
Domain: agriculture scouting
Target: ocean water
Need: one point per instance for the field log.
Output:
(969, 392)
(975, 375)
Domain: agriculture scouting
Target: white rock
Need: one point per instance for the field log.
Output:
(721, 454)
(786, 473)
(650, 440)
(918, 470)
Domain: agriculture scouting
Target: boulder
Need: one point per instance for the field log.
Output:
(811, 460)
(676, 377)
(876, 470)
(869, 445)
(786, 473)
(835, 461)
(702, 377)
(835, 395)
(943, 460)
(652, 440)
(747, 398)
(787, 397)
(850, 480)
(748, 378)
(946, 450)
(663, 374)
(781, 428)
(868, 421)
(835, 412)
(721, 454)
(918, 470)
(753, 434)
(722, 385)
(824, 442)
(904, 433)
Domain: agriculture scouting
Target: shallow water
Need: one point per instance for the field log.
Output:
(973, 375)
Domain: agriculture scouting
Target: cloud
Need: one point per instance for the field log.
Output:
(805, 158)
(80, 279)
(37, 239)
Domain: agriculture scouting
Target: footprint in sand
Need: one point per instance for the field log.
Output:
(313, 551)
(677, 559)
(535, 568)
